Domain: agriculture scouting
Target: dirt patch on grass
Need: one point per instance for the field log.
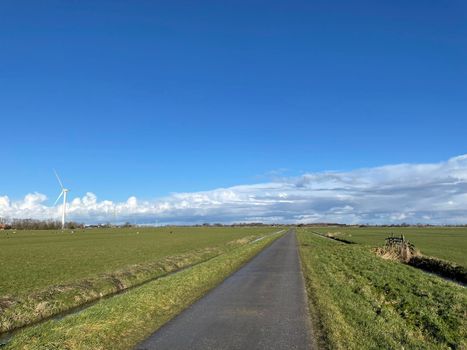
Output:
(6, 302)
(395, 254)
(241, 241)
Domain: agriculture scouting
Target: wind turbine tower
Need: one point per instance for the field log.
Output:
(64, 194)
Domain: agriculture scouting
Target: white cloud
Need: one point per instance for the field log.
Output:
(435, 193)
(4, 202)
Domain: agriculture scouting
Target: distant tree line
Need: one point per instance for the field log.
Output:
(240, 224)
(32, 224)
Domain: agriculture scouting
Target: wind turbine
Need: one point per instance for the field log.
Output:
(63, 193)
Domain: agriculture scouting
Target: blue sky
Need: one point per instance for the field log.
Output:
(150, 98)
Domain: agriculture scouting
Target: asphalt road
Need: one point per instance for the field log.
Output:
(261, 306)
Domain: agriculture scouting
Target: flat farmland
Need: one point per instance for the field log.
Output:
(447, 243)
(31, 260)
(45, 273)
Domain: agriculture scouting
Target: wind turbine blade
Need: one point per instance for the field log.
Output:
(60, 195)
(58, 178)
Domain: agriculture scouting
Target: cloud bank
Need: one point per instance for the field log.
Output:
(433, 193)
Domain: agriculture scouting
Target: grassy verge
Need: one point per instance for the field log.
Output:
(17, 311)
(365, 302)
(124, 320)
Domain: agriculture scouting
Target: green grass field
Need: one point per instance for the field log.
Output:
(361, 301)
(48, 272)
(447, 243)
(32, 260)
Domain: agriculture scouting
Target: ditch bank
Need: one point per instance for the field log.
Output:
(331, 236)
(444, 269)
(6, 336)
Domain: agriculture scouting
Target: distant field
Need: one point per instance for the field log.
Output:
(361, 301)
(448, 243)
(32, 260)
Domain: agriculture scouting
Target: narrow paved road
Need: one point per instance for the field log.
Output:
(261, 306)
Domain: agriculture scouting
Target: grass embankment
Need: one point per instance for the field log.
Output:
(126, 319)
(124, 258)
(364, 302)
